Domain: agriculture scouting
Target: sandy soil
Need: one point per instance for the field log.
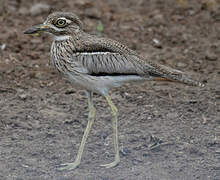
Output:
(167, 131)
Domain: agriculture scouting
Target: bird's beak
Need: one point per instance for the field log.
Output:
(36, 29)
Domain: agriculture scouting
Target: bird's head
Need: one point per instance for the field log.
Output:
(58, 24)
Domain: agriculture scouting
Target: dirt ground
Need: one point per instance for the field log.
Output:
(167, 131)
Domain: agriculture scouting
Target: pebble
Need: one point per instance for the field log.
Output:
(39, 8)
(23, 96)
(192, 12)
(157, 43)
(181, 65)
(3, 46)
(158, 19)
(211, 56)
(93, 13)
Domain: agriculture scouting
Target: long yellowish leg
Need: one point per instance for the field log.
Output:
(115, 131)
(91, 117)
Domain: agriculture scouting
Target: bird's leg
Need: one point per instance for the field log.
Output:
(115, 130)
(91, 117)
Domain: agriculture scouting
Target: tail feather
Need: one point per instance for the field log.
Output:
(186, 80)
(165, 73)
(181, 78)
(170, 74)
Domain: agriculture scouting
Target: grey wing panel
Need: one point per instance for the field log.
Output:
(109, 63)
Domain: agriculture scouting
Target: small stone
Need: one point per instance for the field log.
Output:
(126, 94)
(84, 3)
(23, 96)
(93, 13)
(157, 43)
(3, 46)
(211, 56)
(181, 65)
(50, 84)
(39, 8)
(158, 19)
(192, 12)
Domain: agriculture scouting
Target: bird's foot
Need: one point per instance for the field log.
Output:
(110, 165)
(69, 166)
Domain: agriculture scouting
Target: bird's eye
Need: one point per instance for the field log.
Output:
(61, 23)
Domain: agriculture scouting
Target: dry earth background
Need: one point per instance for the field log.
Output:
(167, 131)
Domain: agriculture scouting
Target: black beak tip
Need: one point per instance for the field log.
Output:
(32, 30)
(29, 31)
(26, 32)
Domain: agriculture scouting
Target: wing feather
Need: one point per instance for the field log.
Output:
(109, 57)
(108, 64)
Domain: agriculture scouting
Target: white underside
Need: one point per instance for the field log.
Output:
(102, 84)
(61, 38)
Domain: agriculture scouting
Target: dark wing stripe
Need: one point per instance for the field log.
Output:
(112, 74)
(83, 60)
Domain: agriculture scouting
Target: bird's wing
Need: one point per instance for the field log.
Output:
(109, 63)
(122, 59)
(123, 56)
(102, 56)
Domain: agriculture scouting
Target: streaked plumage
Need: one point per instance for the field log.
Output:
(100, 57)
(98, 65)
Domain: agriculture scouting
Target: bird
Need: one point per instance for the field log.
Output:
(97, 65)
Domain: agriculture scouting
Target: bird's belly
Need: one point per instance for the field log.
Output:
(86, 82)
(100, 84)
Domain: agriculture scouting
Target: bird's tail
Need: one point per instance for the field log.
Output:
(184, 79)
(170, 74)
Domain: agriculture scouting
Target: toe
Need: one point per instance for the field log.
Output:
(68, 166)
(110, 165)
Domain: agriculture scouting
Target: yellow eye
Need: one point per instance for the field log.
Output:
(61, 23)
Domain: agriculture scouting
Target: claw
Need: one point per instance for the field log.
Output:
(110, 165)
(68, 166)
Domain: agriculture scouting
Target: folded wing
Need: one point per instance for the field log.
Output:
(108, 63)
(108, 57)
